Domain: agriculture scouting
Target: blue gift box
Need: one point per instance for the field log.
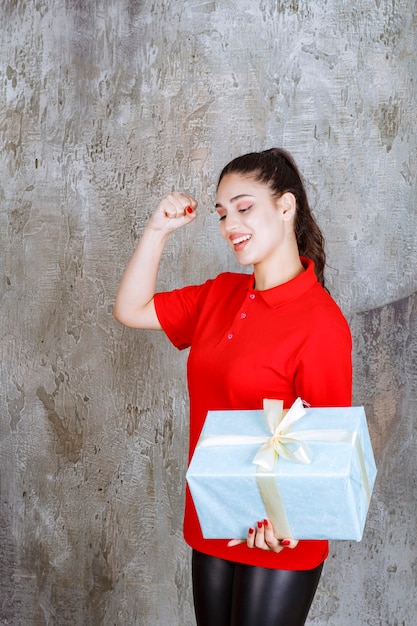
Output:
(325, 498)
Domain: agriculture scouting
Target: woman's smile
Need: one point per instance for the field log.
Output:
(239, 241)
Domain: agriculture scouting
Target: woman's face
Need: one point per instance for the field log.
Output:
(253, 223)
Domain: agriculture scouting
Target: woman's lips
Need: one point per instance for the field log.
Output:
(239, 240)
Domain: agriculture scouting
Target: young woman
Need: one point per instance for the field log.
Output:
(275, 333)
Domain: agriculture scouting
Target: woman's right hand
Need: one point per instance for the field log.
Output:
(174, 211)
(134, 305)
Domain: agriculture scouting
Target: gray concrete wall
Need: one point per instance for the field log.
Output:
(104, 107)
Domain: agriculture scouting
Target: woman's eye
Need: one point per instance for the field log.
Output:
(222, 217)
(246, 208)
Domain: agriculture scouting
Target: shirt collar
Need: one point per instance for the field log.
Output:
(290, 290)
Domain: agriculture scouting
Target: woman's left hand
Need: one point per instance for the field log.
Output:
(263, 537)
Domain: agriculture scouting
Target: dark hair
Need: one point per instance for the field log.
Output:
(277, 169)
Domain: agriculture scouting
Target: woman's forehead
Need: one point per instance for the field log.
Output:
(234, 184)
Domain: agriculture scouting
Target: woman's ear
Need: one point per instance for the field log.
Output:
(287, 205)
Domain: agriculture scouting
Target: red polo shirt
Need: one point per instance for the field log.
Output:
(246, 345)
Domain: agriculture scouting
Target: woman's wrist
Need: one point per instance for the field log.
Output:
(155, 235)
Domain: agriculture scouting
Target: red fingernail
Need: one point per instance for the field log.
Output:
(266, 522)
(285, 542)
(251, 531)
(188, 209)
(259, 524)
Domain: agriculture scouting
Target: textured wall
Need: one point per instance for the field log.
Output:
(104, 107)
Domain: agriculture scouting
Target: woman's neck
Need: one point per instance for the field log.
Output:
(283, 270)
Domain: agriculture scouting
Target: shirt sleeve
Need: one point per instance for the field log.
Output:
(178, 312)
(324, 372)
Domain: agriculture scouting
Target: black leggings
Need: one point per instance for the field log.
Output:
(231, 594)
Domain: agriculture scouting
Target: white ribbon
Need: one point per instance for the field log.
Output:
(279, 424)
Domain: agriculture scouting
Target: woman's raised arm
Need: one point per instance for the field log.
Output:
(134, 305)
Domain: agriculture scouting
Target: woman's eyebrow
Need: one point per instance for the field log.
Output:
(242, 195)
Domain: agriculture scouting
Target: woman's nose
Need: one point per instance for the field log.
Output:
(232, 222)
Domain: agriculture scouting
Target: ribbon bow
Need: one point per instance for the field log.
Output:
(280, 424)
